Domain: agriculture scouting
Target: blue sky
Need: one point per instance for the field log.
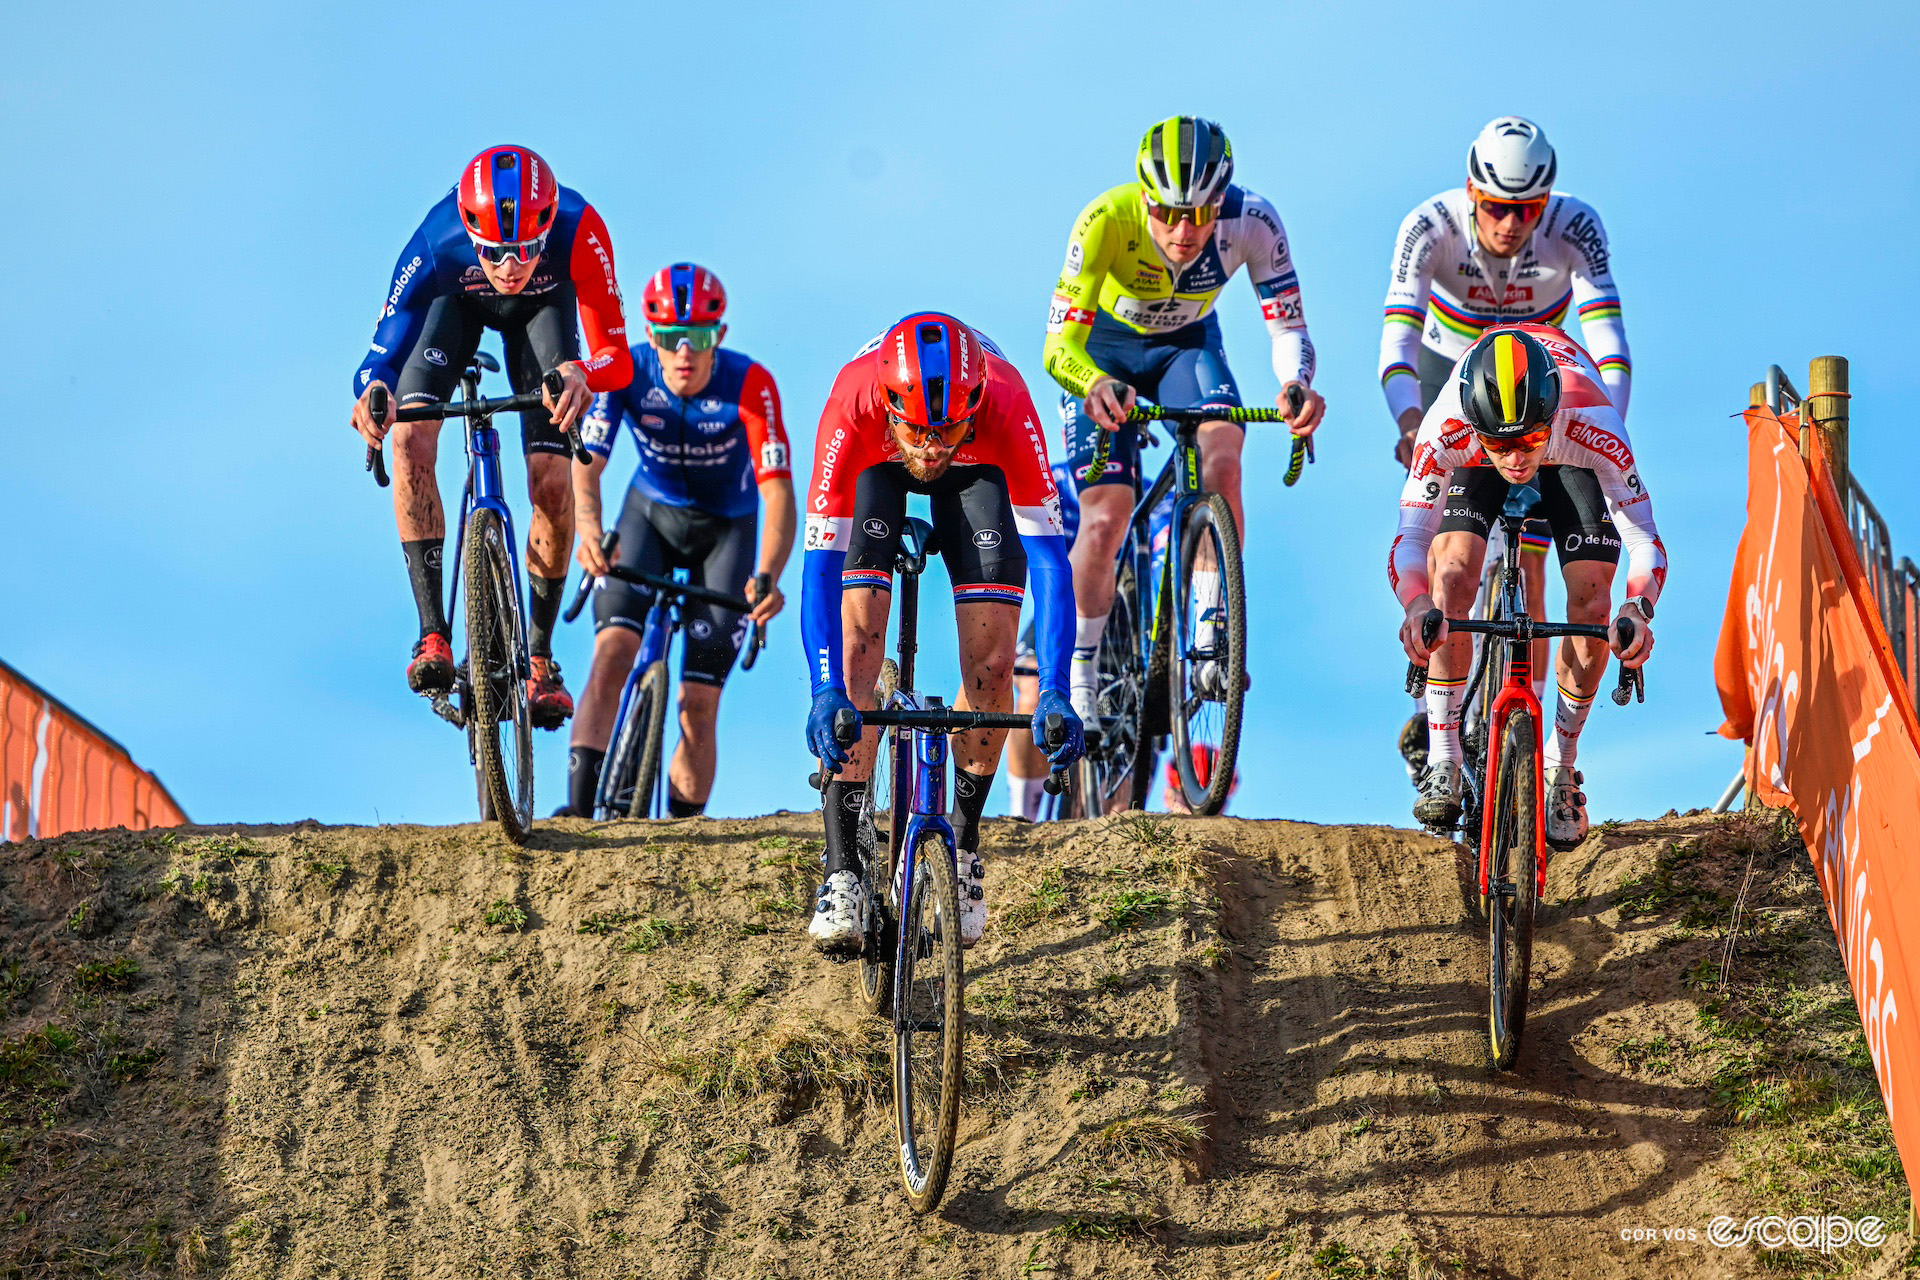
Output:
(214, 197)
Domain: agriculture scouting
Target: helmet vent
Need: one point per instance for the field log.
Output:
(506, 160)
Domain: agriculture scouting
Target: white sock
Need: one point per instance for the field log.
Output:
(1443, 719)
(1569, 718)
(1085, 673)
(1207, 606)
(1024, 796)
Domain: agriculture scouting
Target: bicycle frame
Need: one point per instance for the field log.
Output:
(663, 620)
(1181, 471)
(486, 489)
(1516, 693)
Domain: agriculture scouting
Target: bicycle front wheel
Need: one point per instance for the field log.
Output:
(1101, 780)
(929, 1029)
(1207, 683)
(1513, 868)
(650, 716)
(497, 671)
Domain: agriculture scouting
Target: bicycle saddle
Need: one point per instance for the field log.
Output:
(481, 360)
(1522, 498)
(916, 544)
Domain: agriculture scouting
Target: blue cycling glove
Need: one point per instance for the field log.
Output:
(1075, 745)
(828, 703)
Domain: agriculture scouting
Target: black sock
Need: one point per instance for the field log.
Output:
(841, 807)
(583, 779)
(423, 571)
(546, 608)
(678, 808)
(969, 798)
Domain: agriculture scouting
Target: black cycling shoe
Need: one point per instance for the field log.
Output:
(1413, 745)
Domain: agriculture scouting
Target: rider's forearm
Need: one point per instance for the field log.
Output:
(1293, 357)
(1050, 577)
(1066, 358)
(821, 631)
(776, 535)
(586, 493)
(1399, 364)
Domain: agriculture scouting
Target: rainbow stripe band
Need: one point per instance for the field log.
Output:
(1535, 543)
(1469, 324)
(1600, 309)
(878, 579)
(1407, 315)
(969, 592)
(1616, 364)
(1397, 370)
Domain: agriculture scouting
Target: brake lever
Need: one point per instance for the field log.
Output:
(556, 386)
(609, 543)
(377, 453)
(1417, 674)
(1632, 684)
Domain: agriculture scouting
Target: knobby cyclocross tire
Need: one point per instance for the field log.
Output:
(876, 860)
(497, 675)
(1153, 709)
(1107, 768)
(650, 715)
(1513, 867)
(1200, 721)
(929, 1027)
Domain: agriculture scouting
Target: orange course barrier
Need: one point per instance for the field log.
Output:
(59, 774)
(1808, 678)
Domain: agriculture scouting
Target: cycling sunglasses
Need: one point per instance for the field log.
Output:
(671, 337)
(1173, 215)
(1500, 210)
(1517, 444)
(951, 434)
(523, 250)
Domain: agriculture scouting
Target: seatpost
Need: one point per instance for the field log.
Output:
(909, 625)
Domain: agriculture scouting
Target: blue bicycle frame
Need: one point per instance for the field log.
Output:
(663, 620)
(484, 489)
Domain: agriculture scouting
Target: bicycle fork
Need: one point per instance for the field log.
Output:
(1516, 695)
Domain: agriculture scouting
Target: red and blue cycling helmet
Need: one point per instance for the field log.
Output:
(933, 372)
(683, 294)
(508, 199)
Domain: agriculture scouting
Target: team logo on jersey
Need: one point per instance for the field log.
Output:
(653, 421)
(1076, 257)
(712, 426)
(876, 528)
(986, 539)
(711, 405)
(435, 355)
(655, 398)
(701, 629)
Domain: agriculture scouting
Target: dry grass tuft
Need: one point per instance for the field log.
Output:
(1149, 1136)
(785, 1062)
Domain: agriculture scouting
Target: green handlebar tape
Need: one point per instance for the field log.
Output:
(1298, 461)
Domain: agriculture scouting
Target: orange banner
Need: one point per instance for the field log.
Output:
(59, 774)
(1808, 679)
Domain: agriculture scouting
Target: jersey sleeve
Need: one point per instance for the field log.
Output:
(1277, 285)
(601, 423)
(1442, 443)
(1595, 438)
(766, 430)
(840, 454)
(603, 323)
(1406, 311)
(1598, 299)
(1076, 300)
(1020, 451)
(401, 316)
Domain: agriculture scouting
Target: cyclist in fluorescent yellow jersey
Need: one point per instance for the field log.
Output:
(1133, 314)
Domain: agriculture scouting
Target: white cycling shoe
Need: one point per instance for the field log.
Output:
(1086, 704)
(1566, 807)
(970, 877)
(1439, 802)
(838, 913)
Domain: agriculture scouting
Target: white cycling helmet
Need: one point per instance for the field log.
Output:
(1512, 160)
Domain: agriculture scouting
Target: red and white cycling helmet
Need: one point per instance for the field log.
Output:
(933, 372)
(682, 294)
(508, 196)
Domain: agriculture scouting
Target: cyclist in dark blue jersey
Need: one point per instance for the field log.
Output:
(712, 452)
(511, 250)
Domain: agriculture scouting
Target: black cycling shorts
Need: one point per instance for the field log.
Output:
(540, 333)
(1570, 499)
(717, 552)
(973, 531)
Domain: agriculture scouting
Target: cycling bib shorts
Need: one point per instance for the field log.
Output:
(1184, 369)
(973, 530)
(539, 333)
(717, 551)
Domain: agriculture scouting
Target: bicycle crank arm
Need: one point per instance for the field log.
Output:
(445, 708)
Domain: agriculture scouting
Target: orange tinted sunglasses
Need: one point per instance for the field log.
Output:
(1517, 444)
(951, 434)
(1499, 210)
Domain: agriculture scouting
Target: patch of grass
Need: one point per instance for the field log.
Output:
(1153, 833)
(228, 846)
(1092, 1087)
(77, 919)
(29, 1063)
(505, 913)
(329, 873)
(1126, 909)
(1656, 1054)
(688, 993)
(1048, 900)
(1103, 1226)
(136, 1065)
(15, 982)
(754, 929)
(651, 935)
(1148, 1136)
(116, 974)
(602, 923)
(734, 1154)
(785, 1062)
(743, 997)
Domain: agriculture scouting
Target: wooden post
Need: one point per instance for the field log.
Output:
(1757, 396)
(1827, 409)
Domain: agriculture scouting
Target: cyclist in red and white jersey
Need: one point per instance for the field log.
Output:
(1527, 405)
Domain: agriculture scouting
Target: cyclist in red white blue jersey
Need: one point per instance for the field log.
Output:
(713, 451)
(929, 407)
(511, 250)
